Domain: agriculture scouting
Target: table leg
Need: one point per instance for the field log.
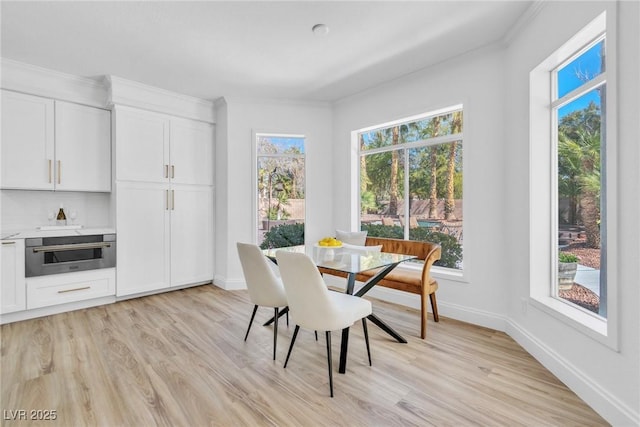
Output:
(388, 329)
(280, 314)
(365, 288)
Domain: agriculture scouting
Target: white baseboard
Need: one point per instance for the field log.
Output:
(454, 311)
(229, 285)
(603, 402)
(55, 309)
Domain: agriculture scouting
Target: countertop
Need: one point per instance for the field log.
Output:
(33, 232)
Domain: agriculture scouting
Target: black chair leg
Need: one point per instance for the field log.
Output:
(255, 308)
(316, 332)
(366, 338)
(287, 317)
(293, 340)
(328, 335)
(275, 332)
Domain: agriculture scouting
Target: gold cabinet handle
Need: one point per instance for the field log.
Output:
(8, 243)
(173, 171)
(166, 171)
(59, 169)
(167, 199)
(49, 171)
(173, 200)
(74, 289)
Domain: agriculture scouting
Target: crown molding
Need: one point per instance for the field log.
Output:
(524, 19)
(31, 79)
(240, 99)
(139, 95)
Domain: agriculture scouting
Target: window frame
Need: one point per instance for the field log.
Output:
(254, 174)
(543, 181)
(457, 275)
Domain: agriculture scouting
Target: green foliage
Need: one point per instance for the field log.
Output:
(377, 175)
(451, 249)
(273, 213)
(368, 202)
(567, 257)
(579, 152)
(284, 235)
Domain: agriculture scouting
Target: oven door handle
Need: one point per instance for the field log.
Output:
(72, 247)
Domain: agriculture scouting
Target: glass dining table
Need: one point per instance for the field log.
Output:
(350, 262)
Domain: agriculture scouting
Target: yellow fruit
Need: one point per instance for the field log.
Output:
(329, 241)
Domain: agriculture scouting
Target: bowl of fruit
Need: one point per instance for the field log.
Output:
(329, 242)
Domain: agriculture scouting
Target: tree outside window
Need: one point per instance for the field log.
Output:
(579, 111)
(411, 182)
(281, 190)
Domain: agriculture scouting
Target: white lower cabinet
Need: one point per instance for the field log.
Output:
(191, 234)
(57, 289)
(165, 236)
(12, 292)
(142, 218)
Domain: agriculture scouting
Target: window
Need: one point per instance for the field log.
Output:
(281, 190)
(578, 110)
(572, 195)
(411, 181)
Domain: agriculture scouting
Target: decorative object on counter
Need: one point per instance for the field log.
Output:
(72, 216)
(61, 219)
(51, 216)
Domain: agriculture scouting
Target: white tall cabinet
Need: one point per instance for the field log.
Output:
(164, 201)
(54, 145)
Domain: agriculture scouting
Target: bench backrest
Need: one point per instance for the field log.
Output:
(427, 251)
(408, 247)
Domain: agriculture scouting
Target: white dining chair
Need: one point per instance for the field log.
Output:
(313, 306)
(265, 288)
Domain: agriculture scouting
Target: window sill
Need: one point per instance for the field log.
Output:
(585, 322)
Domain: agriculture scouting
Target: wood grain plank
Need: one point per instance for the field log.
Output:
(179, 359)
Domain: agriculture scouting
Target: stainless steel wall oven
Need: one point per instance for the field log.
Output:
(55, 255)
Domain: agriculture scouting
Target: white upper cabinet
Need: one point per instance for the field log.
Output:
(191, 149)
(142, 146)
(54, 145)
(152, 147)
(83, 148)
(27, 142)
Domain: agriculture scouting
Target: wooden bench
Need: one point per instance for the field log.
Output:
(414, 281)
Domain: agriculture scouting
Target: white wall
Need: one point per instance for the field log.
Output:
(606, 379)
(493, 85)
(235, 163)
(476, 81)
(23, 209)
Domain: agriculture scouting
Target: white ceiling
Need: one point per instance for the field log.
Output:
(266, 49)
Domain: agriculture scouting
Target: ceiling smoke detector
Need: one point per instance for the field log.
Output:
(320, 30)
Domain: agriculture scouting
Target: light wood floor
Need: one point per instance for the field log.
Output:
(179, 359)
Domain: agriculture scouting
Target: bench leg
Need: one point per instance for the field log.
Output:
(423, 316)
(434, 306)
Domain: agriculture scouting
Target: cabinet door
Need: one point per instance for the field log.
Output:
(13, 291)
(83, 148)
(191, 148)
(142, 223)
(191, 234)
(27, 142)
(142, 146)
